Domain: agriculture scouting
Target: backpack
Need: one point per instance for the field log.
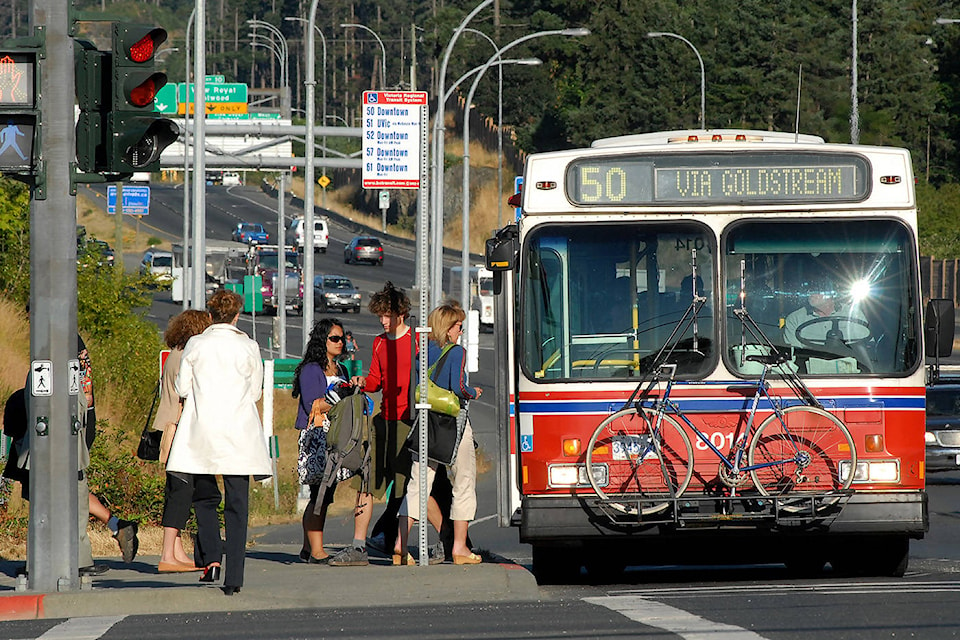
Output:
(348, 442)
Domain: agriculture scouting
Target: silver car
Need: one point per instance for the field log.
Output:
(158, 264)
(364, 249)
(943, 427)
(335, 292)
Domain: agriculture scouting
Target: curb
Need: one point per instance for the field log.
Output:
(21, 607)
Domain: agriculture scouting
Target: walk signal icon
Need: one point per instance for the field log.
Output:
(19, 113)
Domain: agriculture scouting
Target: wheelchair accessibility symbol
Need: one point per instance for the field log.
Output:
(526, 444)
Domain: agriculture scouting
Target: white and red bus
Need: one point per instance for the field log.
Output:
(596, 274)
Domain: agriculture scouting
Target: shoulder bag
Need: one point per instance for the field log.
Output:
(444, 430)
(149, 447)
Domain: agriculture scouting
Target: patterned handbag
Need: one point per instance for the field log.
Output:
(313, 455)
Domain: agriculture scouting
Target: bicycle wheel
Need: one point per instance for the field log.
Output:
(803, 453)
(643, 463)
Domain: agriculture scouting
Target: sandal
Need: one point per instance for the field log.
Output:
(403, 559)
(467, 559)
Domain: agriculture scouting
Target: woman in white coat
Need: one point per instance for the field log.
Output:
(219, 433)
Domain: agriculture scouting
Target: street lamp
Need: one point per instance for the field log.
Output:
(436, 196)
(383, 49)
(323, 98)
(283, 55)
(854, 101)
(947, 21)
(465, 211)
(703, 75)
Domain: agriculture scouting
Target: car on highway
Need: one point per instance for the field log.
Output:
(157, 263)
(231, 179)
(943, 427)
(103, 251)
(332, 291)
(364, 249)
(265, 262)
(321, 234)
(251, 233)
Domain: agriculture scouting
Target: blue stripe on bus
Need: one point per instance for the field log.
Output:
(715, 405)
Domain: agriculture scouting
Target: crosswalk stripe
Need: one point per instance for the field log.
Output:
(81, 628)
(684, 624)
(830, 587)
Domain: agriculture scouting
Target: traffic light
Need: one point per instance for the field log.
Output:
(136, 135)
(92, 68)
(20, 113)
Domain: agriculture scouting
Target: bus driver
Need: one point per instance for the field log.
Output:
(825, 320)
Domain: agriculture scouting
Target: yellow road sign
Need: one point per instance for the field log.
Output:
(323, 181)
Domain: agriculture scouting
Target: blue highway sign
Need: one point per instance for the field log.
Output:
(136, 200)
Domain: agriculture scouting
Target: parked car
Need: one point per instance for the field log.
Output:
(104, 252)
(364, 249)
(157, 263)
(335, 292)
(943, 427)
(321, 234)
(251, 233)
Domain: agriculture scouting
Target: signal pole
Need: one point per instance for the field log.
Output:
(52, 549)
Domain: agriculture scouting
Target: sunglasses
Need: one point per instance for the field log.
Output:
(335, 339)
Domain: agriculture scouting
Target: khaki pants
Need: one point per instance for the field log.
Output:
(463, 477)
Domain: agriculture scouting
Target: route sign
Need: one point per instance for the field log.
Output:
(166, 99)
(136, 200)
(225, 98)
(391, 139)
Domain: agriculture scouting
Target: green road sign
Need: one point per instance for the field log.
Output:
(228, 92)
(166, 99)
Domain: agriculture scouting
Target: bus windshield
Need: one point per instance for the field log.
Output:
(599, 301)
(838, 298)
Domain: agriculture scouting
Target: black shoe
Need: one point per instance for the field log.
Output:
(211, 573)
(304, 555)
(94, 570)
(229, 591)
(323, 560)
(126, 537)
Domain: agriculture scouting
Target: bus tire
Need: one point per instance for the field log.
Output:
(886, 556)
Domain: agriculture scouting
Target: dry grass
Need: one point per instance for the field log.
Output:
(14, 347)
(103, 226)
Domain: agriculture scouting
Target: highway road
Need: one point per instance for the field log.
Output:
(717, 600)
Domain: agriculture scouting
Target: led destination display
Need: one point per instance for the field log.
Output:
(770, 177)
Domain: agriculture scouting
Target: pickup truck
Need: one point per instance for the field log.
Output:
(251, 233)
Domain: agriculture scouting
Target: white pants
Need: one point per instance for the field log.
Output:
(463, 477)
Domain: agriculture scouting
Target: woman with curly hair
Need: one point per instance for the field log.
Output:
(317, 371)
(177, 496)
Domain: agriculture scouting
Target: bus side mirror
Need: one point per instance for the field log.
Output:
(501, 254)
(938, 328)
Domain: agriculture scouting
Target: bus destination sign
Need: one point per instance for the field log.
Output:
(705, 179)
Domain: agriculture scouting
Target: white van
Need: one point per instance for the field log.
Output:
(321, 234)
(231, 179)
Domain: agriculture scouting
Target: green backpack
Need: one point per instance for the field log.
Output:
(348, 442)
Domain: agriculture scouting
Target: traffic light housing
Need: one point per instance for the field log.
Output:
(135, 134)
(20, 109)
(92, 68)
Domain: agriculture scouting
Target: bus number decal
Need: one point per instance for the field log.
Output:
(621, 193)
(588, 181)
(685, 244)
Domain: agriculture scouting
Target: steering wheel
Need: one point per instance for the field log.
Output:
(834, 335)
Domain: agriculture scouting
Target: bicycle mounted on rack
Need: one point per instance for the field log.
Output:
(795, 464)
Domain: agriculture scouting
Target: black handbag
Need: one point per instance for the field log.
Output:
(443, 438)
(149, 447)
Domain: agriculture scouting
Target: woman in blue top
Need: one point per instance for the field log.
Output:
(446, 325)
(313, 376)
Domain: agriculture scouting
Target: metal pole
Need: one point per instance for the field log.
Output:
(284, 66)
(383, 49)
(186, 283)
(53, 548)
(422, 331)
(282, 264)
(496, 47)
(703, 75)
(465, 214)
(199, 161)
(310, 150)
(854, 102)
(323, 101)
(436, 193)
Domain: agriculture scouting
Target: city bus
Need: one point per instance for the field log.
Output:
(717, 251)
(481, 292)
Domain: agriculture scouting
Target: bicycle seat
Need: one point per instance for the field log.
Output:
(769, 359)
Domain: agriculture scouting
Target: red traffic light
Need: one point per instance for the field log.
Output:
(137, 44)
(143, 49)
(143, 94)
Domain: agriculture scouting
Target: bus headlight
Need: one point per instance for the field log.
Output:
(575, 475)
(872, 471)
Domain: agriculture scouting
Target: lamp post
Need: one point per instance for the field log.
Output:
(854, 102)
(496, 47)
(703, 75)
(323, 99)
(436, 191)
(947, 21)
(187, 285)
(465, 215)
(310, 151)
(383, 49)
(284, 57)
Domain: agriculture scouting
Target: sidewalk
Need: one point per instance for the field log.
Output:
(274, 578)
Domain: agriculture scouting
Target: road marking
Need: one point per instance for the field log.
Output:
(82, 628)
(662, 616)
(832, 588)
